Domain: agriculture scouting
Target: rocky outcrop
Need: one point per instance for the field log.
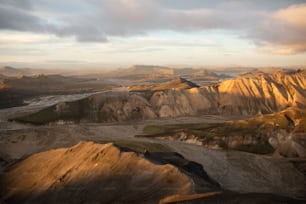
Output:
(289, 144)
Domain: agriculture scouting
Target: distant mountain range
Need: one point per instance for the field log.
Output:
(178, 83)
(156, 74)
(10, 71)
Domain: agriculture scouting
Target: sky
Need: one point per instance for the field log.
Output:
(106, 33)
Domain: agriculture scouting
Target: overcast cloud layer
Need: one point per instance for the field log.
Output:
(277, 27)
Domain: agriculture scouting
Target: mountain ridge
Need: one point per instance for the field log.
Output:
(247, 95)
(98, 173)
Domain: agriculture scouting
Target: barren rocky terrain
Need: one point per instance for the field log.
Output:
(237, 141)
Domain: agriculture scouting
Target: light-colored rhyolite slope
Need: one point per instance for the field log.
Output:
(248, 95)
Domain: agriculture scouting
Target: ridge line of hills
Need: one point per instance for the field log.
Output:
(250, 94)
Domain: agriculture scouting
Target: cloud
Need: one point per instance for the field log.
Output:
(282, 31)
(11, 19)
(82, 30)
(110, 18)
(293, 15)
(289, 49)
(24, 38)
(279, 29)
(17, 4)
